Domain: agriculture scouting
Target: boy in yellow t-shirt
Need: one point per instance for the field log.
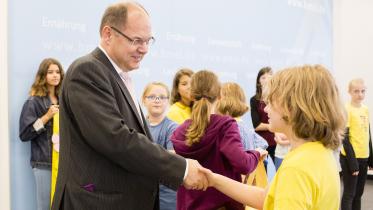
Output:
(314, 123)
(356, 154)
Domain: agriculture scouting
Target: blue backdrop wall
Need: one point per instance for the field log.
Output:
(233, 38)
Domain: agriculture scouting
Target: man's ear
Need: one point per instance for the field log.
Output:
(106, 34)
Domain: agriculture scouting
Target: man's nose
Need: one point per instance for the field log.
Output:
(144, 47)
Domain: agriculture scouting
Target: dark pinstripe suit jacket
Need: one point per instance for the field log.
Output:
(107, 158)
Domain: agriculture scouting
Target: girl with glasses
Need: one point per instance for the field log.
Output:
(156, 100)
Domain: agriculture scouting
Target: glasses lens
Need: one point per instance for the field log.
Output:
(151, 41)
(151, 98)
(140, 42)
(154, 98)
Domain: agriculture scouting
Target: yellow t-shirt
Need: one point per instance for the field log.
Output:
(358, 123)
(179, 113)
(307, 179)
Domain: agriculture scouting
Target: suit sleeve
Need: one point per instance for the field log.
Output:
(90, 100)
(254, 112)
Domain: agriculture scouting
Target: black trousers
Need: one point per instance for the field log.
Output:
(353, 186)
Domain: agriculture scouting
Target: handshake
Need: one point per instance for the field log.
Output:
(200, 178)
(197, 176)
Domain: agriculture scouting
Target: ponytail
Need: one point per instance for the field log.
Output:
(200, 120)
(205, 89)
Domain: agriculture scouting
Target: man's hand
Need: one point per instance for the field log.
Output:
(195, 180)
(211, 176)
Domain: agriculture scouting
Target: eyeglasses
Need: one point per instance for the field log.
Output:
(135, 42)
(154, 98)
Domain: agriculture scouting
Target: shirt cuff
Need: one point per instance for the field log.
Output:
(186, 169)
(38, 125)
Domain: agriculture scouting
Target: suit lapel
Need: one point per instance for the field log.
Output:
(102, 57)
(146, 127)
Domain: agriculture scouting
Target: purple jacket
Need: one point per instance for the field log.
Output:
(221, 151)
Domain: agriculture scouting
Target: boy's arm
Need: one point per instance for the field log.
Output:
(370, 159)
(352, 163)
(243, 193)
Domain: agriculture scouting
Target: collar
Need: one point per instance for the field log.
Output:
(181, 105)
(121, 72)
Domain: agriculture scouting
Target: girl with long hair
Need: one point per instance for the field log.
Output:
(36, 125)
(214, 141)
(233, 103)
(258, 116)
(181, 101)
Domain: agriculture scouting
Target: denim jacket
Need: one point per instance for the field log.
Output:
(41, 140)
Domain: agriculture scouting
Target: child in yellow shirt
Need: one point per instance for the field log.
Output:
(303, 103)
(180, 109)
(356, 154)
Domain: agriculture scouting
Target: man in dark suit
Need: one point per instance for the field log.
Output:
(107, 158)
